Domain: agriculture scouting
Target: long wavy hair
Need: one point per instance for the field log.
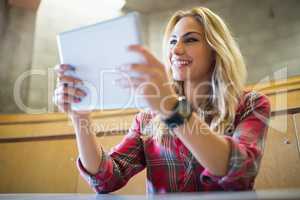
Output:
(228, 70)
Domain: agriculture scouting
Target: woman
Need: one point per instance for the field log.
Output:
(202, 132)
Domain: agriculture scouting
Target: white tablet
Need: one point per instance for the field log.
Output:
(96, 51)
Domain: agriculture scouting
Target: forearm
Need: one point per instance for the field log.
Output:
(210, 149)
(89, 151)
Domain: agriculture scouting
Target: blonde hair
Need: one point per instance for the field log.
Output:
(229, 73)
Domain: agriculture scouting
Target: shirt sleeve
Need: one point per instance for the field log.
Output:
(117, 167)
(247, 146)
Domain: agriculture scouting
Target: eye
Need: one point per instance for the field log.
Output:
(189, 40)
(172, 42)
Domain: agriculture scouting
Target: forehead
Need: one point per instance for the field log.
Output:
(185, 25)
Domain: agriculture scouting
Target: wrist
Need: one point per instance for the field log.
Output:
(180, 113)
(79, 115)
(82, 120)
(168, 107)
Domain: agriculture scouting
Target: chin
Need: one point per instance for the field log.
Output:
(179, 78)
(181, 74)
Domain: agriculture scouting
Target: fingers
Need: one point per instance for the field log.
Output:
(140, 69)
(66, 92)
(133, 82)
(67, 95)
(141, 50)
(63, 67)
(69, 90)
(64, 100)
(69, 79)
(62, 70)
(151, 65)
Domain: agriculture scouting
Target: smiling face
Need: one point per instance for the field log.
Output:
(190, 56)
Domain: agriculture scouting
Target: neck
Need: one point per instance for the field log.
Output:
(196, 92)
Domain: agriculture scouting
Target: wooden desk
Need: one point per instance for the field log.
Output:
(275, 194)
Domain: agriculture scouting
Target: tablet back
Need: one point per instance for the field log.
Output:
(96, 51)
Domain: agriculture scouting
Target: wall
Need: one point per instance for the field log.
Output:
(268, 33)
(2, 16)
(60, 16)
(16, 49)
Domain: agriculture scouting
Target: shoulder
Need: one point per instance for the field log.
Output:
(252, 101)
(255, 98)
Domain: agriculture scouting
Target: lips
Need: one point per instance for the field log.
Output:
(181, 63)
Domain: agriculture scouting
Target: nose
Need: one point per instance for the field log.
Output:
(178, 48)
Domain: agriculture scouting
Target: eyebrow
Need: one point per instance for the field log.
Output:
(187, 34)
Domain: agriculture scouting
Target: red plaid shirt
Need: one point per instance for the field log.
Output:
(174, 169)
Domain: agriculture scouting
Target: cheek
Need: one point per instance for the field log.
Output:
(202, 58)
(202, 64)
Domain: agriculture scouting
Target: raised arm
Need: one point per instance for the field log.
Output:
(66, 93)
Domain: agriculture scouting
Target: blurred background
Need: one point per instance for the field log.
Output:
(38, 150)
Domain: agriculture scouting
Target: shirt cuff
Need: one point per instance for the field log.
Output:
(102, 176)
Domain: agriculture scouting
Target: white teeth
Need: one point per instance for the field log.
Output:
(181, 62)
